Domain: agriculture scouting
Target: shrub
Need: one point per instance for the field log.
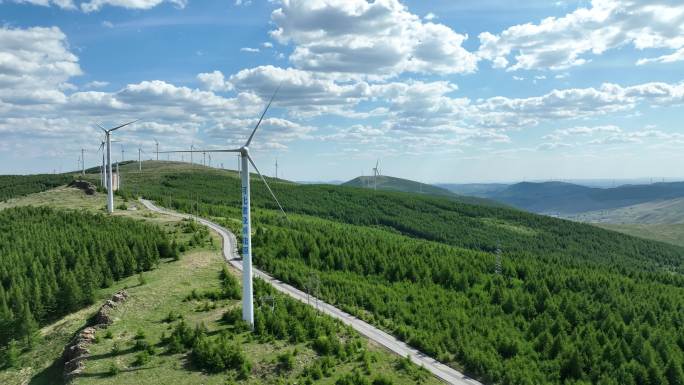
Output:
(142, 358)
(113, 369)
(217, 355)
(286, 361)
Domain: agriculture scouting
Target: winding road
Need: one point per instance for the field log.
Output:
(441, 371)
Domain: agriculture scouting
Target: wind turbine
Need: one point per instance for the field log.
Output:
(245, 161)
(139, 162)
(108, 139)
(376, 172)
(83, 161)
(157, 147)
(276, 169)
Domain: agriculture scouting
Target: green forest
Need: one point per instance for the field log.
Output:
(13, 186)
(52, 262)
(573, 304)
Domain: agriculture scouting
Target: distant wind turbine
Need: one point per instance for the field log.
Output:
(157, 147)
(108, 139)
(376, 172)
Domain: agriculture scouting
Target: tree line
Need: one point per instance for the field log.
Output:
(52, 262)
(13, 186)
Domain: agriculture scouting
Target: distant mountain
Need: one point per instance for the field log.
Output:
(482, 190)
(389, 183)
(567, 198)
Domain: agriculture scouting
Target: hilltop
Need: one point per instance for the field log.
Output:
(390, 183)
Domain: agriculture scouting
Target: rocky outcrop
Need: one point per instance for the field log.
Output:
(77, 351)
(87, 187)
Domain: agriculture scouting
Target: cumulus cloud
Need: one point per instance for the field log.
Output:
(35, 64)
(380, 38)
(214, 81)
(299, 88)
(557, 43)
(249, 49)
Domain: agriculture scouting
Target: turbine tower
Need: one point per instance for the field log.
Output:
(376, 172)
(157, 147)
(83, 161)
(139, 162)
(245, 161)
(103, 170)
(276, 168)
(108, 138)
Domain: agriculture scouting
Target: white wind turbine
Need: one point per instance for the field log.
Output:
(156, 143)
(376, 172)
(246, 160)
(108, 140)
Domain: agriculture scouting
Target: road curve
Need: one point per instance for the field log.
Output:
(441, 371)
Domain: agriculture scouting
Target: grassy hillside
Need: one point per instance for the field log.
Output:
(573, 304)
(567, 198)
(389, 183)
(669, 211)
(293, 343)
(670, 233)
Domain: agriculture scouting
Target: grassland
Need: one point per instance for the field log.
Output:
(669, 233)
(152, 297)
(669, 211)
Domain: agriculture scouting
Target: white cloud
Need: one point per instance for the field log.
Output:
(558, 43)
(671, 58)
(368, 39)
(35, 65)
(214, 81)
(582, 131)
(96, 84)
(304, 89)
(267, 44)
(107, 24)
(96, 5)
(64, 4)
(430, 16)
(249, 49)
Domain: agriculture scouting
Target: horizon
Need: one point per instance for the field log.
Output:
(440, 92)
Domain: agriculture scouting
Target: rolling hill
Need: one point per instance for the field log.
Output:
(566, 198)
(390, 183)
(571, 303)
(180, 321)
(482, 190)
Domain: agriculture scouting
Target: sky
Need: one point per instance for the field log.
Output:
(438, 91)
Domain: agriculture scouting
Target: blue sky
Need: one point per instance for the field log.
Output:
(439, 91)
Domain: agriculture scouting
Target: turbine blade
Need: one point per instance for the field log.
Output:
(266, 183)
(196, 151)
(123, 125)
(262, 116)
(101, 128)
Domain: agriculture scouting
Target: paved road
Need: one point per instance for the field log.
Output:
(441, 371)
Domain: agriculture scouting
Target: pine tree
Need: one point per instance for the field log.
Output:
(674, 373)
